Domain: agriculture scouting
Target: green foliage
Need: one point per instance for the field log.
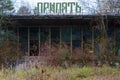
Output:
(7, 35)
(5, 5)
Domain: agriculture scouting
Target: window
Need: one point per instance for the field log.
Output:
(34, 42)
(23, 39)
(76, 37)
(87, 38)
(66, 35)
(118, 41)
(44, 41)
(55, 36)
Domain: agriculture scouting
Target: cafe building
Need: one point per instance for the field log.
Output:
(38, 34)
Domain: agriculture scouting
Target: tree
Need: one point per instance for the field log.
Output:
(106, 7)
(24, 10)
(8, 54)
(109, 6)
(5, 8)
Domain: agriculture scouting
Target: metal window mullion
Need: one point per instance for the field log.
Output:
(71, 39)
(18, 37)
(115, 42)
(93, 39)
(82, 38)
(60, 39)
(49, 40)
(39, 40)
(28, 41)
(7, 33)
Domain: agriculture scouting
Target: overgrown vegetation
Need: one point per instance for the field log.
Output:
(9, 54)
(63, 56)
(59, 56)
(105, 48)
(9, 51)
(59, 73)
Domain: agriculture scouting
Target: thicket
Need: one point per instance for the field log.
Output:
(63, 57)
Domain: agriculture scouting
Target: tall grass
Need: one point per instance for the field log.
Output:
(59, 73)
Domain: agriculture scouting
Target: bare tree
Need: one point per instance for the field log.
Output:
(24, 10)
(104, 7)
(111, 7)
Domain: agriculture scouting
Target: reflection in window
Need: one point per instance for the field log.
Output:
(111, 39)
(66, 35)
(96, 41)
(44, 41)
(76, 37)
(34, 43)
(87, 38)
(55, 36)
(13, 34)
(23, 39)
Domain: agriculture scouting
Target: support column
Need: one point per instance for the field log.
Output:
(28, 41)
(7, 33)
(71, 39)
(49, 40)
(93, 39)
(114, 39)
(82, 38)
(18, 38)
(60, 39)
(39, 41)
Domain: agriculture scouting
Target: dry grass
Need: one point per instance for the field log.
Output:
(59, 73)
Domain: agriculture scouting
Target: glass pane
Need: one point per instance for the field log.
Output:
(66, 35)
(12, 34)
(111, 40)
(44, 41)
(87, 38)
(55, 36)
(34, 43)
(23, 39)
(76, 37)
(96, 41)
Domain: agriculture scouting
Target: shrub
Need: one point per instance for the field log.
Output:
(63, 56)
(82, 57)
(9, 53)
(60, 56)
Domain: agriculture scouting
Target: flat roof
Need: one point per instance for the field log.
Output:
(63, 16)
(38, 20)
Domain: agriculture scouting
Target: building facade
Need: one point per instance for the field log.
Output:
(37, 35)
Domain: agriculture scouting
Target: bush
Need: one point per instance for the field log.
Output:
(82, 57)
(60, 56)
(63, 56)
(9, 53)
